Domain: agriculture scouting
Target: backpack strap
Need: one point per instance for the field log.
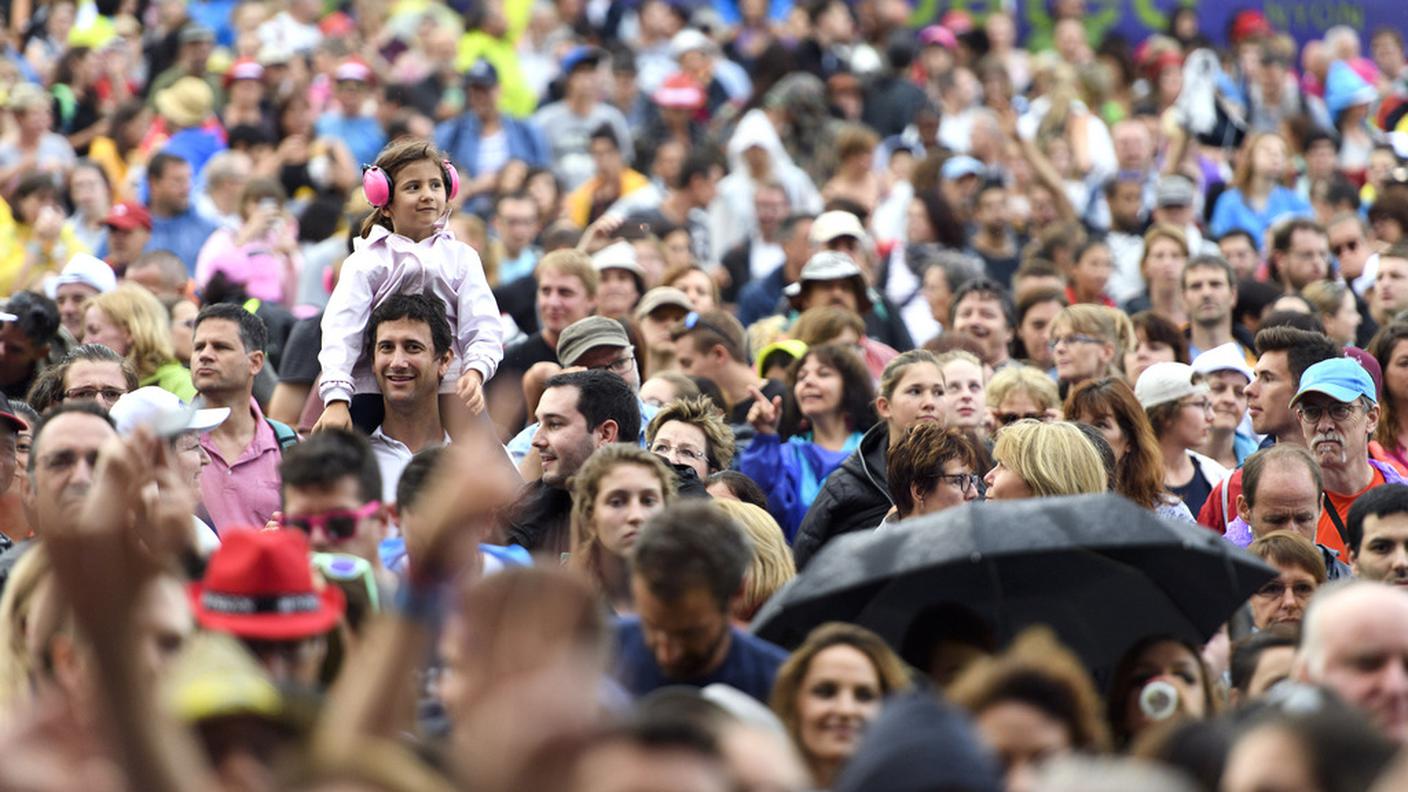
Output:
(283, 433)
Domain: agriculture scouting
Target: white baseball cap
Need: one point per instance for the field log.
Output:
(164, 412)
(1228, 357)
(88, 270)
(1162, 383)
(836, 223)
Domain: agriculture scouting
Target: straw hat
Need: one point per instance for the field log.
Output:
(187, 103)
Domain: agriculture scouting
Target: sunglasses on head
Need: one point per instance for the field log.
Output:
(339, 524)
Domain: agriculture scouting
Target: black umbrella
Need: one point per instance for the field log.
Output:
(1099, 570)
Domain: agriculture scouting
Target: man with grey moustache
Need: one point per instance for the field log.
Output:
(1337, 405)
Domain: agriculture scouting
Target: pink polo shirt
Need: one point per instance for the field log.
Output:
(245, 491)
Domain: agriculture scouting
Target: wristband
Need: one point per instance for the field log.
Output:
(421, 604)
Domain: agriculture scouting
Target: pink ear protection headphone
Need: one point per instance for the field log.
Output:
(376, 185)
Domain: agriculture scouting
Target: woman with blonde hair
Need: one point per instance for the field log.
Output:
(131, 322)
(1165, 255)
(1334, 303)
(1256, 198)
(1039, 460)
(692, 432)
(772, 564)
(1020, 392)
(1032, 703)
(1088, 342)
(616, 490)
(829, 689)
(30, 575)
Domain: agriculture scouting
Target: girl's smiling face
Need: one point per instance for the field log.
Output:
(418, 200)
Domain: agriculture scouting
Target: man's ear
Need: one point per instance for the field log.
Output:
(443, 365)
(1243, 510)
(256, 362)
(607, 432)
(1372, 416)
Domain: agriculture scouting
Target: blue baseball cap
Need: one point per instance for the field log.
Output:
(582, 55)
(1342, 379)
(957, 167)
(482, 74)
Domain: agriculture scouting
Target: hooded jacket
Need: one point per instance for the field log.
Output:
(855, 497)
(920, 744)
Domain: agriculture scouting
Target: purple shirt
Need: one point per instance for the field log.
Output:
(245, 491)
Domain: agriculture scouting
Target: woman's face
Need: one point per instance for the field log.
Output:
(190, 458)
(948, 491)
(298, 118)
(1192, 422)
(617, 293)
(937, 294)
(625, 498)
(543, 188)
(1171, 662)
(1268, 757)
(1269, 157)
(1035, 332)
(964, 394)
(1145, 354)
(919, 396)
(650, 259)
(99, 328)
(23, 442)
(89, 192)
(1110, 430)
(1396, 373)
(183, 329)
(1092, 270)
(698, 288)
(1164, 264)
(683, 443)
(840, 694)
(818, 389)
(657, 392)
(918, 227)
(1004, 484)
(1228, 391)
(1023, 738)
(1342, 326)
(1079, 356)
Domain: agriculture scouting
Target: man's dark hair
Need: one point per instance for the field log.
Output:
(416, 476)
(715, 328)
(36, 316)
(157, 165)
(694, 165)
(328, 457)
(1382, 501)
(789, 226)
(1239, 232)
(604, 131)
(85, 407)
(1209, 261)
(425, 308)
(1281, 236)
(1297, 320)
(517, 195)
(743, 487)
(988, 289)
(253, 334)
(1246, 653)
(692, 544)
(1303, 348)
(601, 397)
(1277, 456)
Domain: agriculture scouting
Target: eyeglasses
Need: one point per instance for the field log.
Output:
(966, 482)
(621, 365)
(345, 568)
(1202, 405)
(1311, 413)
(1013, 417)
(340, 524)
(1350, 245)
(1276, 590)
(680, 455)
(1074, 338)
(108, 395)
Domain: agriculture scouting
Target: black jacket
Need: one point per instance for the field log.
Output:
(854, 498)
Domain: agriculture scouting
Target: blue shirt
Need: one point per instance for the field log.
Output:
(183, 235)
(750, 666)
(1231, 212)
(362, 134)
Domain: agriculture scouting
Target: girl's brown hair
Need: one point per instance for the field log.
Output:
(392, 160)
(1139, 475)
(586, 544)
(1382, 348)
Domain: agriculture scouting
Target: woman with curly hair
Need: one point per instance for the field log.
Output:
(798, 446)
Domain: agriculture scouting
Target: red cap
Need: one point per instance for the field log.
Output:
(1248, 24)
(244, 69)
(128, 215)
(679, 90)
(259, 584)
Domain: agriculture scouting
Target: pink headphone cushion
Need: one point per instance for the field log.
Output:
(376, 187)
(454, 177)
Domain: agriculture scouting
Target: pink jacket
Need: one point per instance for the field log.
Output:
(384, 264)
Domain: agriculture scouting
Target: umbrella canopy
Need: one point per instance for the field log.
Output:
(1098, 569)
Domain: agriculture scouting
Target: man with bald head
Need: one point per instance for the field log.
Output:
(1355, 643)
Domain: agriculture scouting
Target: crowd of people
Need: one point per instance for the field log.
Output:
(421, 395)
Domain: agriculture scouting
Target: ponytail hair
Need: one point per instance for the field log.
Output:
(392, 160)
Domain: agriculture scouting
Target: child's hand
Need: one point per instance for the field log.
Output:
(335, 416)
(471, 391)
